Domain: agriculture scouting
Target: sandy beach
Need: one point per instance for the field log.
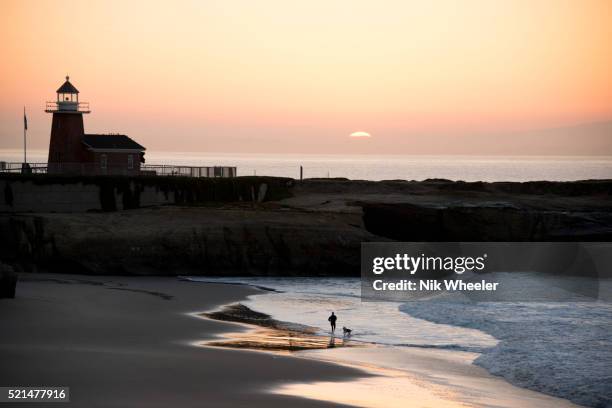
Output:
(127, 342)
(132, 341)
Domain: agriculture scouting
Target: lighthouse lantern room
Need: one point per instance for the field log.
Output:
(67, 100)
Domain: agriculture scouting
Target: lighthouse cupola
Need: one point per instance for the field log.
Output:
(67, 97)
(67, 100)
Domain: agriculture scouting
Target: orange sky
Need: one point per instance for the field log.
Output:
(440, 76)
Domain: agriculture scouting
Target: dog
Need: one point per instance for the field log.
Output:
(346, 332)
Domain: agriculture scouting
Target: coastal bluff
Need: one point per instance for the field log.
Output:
(273, 226)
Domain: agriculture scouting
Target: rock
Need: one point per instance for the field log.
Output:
(8, 281)
(460, 222)
(188, 241)
(277, 227)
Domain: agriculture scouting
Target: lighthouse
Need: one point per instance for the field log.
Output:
(67, 130)
(72, 151)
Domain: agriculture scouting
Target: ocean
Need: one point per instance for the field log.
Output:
(560, 348)
(387, 167)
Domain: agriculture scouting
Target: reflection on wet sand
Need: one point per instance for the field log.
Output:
(269, 334)
(277, 341)
(410, 377)
(332, 342)
(386, 389)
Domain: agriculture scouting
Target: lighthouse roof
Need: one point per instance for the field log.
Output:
(67, 87)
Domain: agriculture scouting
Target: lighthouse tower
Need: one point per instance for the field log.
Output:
(67, 131)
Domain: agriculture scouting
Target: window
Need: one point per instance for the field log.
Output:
(103, 161)
(130, 162)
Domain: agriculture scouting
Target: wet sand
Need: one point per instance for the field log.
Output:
(128, 342)
(400, 377)
(262, 332)
(427, 378)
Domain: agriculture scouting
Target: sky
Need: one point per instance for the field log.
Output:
(274, 76)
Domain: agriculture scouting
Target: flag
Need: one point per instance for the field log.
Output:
(25, 120)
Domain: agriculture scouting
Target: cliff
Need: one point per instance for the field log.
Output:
(268, 226)
(184, 240)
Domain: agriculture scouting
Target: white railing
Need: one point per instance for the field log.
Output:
(68, 106)
(189, 171)
(9, 167)
(96, 169)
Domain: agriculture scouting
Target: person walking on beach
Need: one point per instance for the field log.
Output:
(332, 321)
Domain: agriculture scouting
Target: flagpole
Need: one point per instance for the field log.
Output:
(25, 129)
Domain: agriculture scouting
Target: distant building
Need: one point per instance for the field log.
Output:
(71, 151)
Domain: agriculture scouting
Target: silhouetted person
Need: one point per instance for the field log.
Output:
(332, 321)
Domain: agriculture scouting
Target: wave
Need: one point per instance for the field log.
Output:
(561, 349)
(558, 348)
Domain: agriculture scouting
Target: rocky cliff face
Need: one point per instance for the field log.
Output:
(186, 241)
(408, 222)
(313, 227)
(442, 210)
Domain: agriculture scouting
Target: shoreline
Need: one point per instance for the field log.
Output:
(145, 335)
(132, 347)
(431, 377)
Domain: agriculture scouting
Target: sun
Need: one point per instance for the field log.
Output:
(360, 134)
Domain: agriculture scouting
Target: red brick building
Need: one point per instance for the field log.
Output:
(71, 151)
